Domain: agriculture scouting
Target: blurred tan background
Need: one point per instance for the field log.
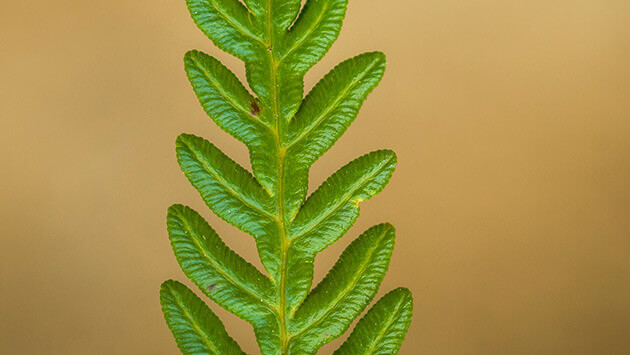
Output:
(511, 120)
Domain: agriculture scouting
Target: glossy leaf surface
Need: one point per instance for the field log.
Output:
(285, 133)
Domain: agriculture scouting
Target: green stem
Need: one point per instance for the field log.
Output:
(280, 192)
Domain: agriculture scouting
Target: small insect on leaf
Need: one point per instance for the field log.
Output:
(255, 109)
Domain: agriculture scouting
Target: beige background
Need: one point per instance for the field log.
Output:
(511, 120)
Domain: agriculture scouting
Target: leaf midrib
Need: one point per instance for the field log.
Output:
(281, 287)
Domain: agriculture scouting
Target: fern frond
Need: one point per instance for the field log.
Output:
(285, 134)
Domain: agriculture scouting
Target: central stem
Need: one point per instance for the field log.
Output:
(285, 242)
(280, 192)
(281, 227)
(285, 246)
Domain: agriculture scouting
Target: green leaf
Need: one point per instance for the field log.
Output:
(232, 193)
(308, 39)
(223, 97)
(332, 209)
(284, 12)
(333, 104)
(329, 212)
(229, 25)
(313, 33)
(383, 329)
(221, 274)
(235, 110)
(197, 330)
(218, 271)
(345, 292)
(285, 133)
(226, 187)
(326, 113)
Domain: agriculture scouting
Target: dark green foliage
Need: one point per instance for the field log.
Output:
(285, 134)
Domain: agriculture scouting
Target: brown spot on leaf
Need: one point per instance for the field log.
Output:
(255, 108)
(211, 287)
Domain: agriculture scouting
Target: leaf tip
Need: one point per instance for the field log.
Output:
(189, 55)
(388, 227)
(184, 140)
(403, 292)
(167, 288)
(174, 210)
(378, 57)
